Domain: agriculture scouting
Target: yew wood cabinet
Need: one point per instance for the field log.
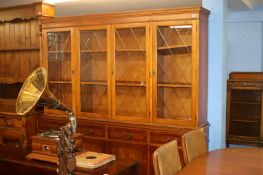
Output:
(135, 80)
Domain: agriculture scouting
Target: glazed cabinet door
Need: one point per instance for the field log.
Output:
(57, 54)
(130, 70)
(93, 76)
(174, 72)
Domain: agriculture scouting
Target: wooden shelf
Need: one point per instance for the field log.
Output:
(59, 82)
(246, 102)
(18, 49)
(248, 120)
(130, 83)
(174, 49)
(175, 85)
(59, 52)
(131, 50)
(98, 82)
(93, 51)
(11, 80)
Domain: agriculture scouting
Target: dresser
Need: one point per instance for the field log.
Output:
(135, 80)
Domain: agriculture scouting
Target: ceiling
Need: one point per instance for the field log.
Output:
(80, 7)
(245, 4)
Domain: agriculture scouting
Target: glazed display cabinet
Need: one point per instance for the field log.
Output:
(135, 80)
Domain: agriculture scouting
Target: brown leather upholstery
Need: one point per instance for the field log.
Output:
(166, 160)
(194, 144)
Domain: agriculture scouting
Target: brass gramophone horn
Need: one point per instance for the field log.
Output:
(35, 92)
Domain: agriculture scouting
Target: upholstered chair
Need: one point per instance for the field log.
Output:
(194, 144)
(166, 160)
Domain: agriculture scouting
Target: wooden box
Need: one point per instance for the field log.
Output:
(45, 148)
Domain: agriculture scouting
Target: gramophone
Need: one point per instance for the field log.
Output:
(35, 93)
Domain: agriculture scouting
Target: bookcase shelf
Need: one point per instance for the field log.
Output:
(244, 108)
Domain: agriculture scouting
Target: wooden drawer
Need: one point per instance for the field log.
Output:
(92, 130)
(160, 138)
(14, 123)
(12, 134)
(127, 134)
(46, 146)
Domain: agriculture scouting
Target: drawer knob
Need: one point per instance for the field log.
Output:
(45, 148)
(9, 124)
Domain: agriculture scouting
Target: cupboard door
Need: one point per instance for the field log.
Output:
(130, 151)
(93, 74)
(58, 60)
(130, 67)
(174, 76)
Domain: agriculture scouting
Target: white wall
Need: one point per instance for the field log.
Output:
(245, 41)
(235, 42)
(217, 71)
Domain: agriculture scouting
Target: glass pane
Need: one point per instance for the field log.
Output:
(130, 101)
(130, 71)
(174, 103)
(62, 92)
(174, 71)
(59, 65)
(94, 99)
(93, 71)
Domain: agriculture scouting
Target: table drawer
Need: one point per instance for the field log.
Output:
(164, 137)
(127, 134)
(92, 130)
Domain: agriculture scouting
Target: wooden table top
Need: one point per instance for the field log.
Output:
(13, 162)
(228, 161)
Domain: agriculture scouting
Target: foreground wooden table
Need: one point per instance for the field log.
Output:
(13, 162)
(229, 161)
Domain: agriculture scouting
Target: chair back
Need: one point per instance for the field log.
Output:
(194, 144)
(166, 160)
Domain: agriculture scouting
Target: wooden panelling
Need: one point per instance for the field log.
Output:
(19, 50)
